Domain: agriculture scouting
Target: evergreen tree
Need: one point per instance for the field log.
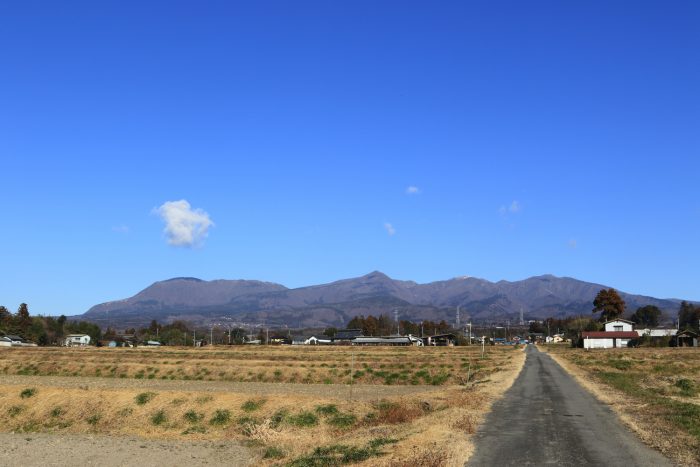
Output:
(22, 318)
(647, 316)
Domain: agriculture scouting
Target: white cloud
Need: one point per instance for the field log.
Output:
(390, 230)
(412, 190)
(513, 208)
(184, 226)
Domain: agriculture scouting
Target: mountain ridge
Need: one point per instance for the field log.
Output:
(335, 303)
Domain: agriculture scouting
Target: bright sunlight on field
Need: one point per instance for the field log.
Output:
(404, 406)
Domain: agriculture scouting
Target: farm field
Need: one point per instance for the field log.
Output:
(655, 391)
(284, 405)
(267, 364)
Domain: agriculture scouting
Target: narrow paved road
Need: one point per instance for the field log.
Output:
(548, 418)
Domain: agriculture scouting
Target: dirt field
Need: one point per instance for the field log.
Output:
(655, 391)
(387, 420)
(94, 450)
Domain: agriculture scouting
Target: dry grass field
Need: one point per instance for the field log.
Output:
(273, 364)
(406, 406)
(656, 392)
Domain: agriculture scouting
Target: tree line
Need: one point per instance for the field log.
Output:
(43, 330)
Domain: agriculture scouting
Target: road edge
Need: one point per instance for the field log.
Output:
(505, 385)
(610, 398)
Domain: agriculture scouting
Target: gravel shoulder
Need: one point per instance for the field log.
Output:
(36, 449)
(357, 392)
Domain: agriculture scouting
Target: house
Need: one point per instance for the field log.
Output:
(618, 325)
(686, 339)
(555, 339)
(77, 340)
(17, 341)
(618, 333)
(440, 340)
(313, 340)
(5, 342)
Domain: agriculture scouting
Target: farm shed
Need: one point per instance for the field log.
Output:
(388, 340)
(440, 340)
(686, 339)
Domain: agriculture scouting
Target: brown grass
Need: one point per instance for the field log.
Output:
(273, 364)
(432, 427)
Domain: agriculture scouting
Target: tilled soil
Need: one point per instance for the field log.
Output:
(358, 392)
(37, 449)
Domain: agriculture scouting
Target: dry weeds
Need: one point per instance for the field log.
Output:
(433, 425)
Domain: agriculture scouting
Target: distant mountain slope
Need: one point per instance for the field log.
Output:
(244, 301)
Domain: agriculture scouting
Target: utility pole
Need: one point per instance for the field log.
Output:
(470, 334)
(396, 318)
(211, 336)
(194, 338)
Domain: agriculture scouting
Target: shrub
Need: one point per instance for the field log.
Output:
(329, 409)
(144, 398)
(193, 417)
(252, 405)
(342, 420)
(15, 410)
(303, 419)
(273, 453)
(687, 387)
(94, 419)
(221, 417)
(159, 418)
(339, 454)
(27, 393)
(56, 412)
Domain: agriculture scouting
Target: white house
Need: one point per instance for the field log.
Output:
(618, 333)
(618, 325)
(77, 340)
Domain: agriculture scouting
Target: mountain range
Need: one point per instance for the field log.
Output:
(250, 302)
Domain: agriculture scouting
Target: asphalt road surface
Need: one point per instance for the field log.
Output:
(546, 417)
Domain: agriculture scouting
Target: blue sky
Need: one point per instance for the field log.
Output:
(539, 137)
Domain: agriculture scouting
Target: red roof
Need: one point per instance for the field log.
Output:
(610, 334)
